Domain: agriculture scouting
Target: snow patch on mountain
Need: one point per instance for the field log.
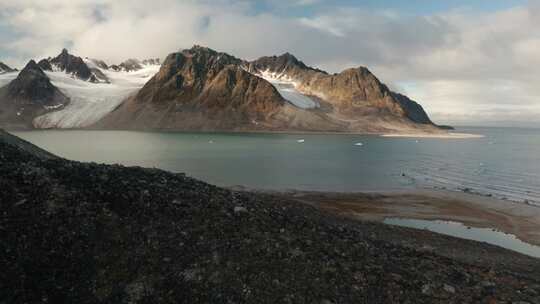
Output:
(6, 78)
(89, 102)
(287, 89)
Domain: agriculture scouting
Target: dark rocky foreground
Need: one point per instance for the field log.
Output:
(75, 232)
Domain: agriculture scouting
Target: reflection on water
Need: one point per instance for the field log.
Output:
(459, 230)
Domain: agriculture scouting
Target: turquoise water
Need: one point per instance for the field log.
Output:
(486, 235)
(505, 163)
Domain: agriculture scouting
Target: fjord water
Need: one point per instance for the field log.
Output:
(505, 163)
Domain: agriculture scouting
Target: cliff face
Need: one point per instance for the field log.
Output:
(29, 95)
(201, 89)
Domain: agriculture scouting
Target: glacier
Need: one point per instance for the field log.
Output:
(89, 102)
(287, 89)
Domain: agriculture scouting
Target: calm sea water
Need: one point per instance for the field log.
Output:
(505, 163)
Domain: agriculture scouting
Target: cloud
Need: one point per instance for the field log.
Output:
(463, 66)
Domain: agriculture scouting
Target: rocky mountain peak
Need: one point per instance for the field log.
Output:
(72, 65)
(33, 86)
(32, 66)
(45, 65)
(286, 63)
(207, 56)
(130, 65)
(200, 88)
(151, 61)
(4, 68)
(290, 59)
(29, 95)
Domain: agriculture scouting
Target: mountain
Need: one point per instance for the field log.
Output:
(151, 61)
(202, 89)
(199, 89)
(351, 94)
(90, 99)
(74, 66)
(45, 65)
(133, 65)
(4, 68)
(29, 95)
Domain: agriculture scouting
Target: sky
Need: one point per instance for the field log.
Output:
(469, 62)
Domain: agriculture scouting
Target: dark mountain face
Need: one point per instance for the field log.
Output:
(72, 65)
(76, 66)
(4, 68)
(100, 63)
(33, 86)
(151, 61)
(130, 65)
(45, 65)
(286, 63)
(29, 95)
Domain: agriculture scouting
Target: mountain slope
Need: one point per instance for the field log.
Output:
(92, 101)
(29, 95)
(74, 66)
(201, 89)
(352, 93)
(4, 68)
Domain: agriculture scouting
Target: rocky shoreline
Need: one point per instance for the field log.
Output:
(76, 232)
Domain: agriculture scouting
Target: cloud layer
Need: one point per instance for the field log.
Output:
(465, 67)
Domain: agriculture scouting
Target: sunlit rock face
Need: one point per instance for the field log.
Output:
(202, 89)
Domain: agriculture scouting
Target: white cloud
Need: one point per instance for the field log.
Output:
(462, 66)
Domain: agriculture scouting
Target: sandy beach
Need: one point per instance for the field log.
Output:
(519, 219)
(449, 135)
